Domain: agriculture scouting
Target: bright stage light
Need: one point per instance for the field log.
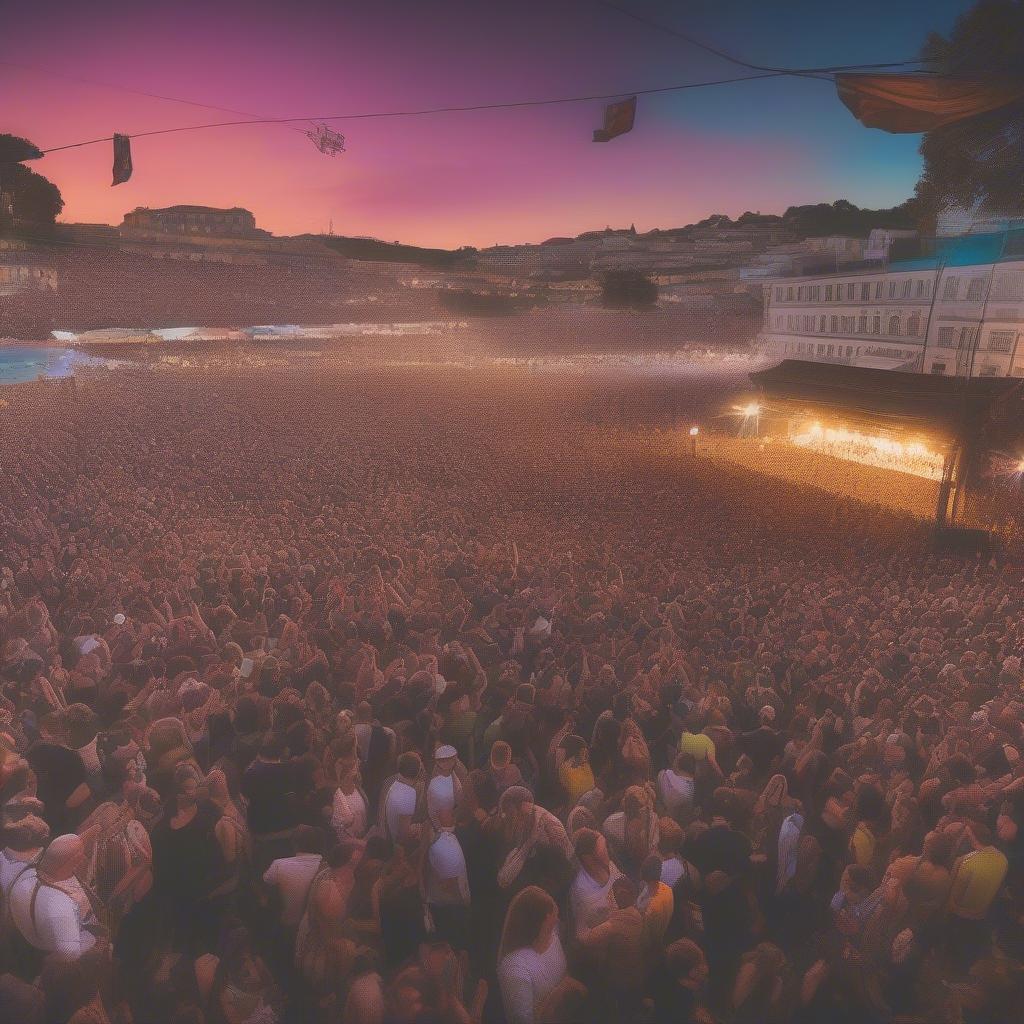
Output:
(753, 409)
(694, 431)
(911, 457)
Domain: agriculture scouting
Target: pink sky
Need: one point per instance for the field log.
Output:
(453, 179)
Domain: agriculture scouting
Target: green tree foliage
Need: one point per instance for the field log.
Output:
(35, 200)
(978, 161)
(628, 289)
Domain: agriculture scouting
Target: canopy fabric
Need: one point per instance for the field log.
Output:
(618, 119)
(884, 363)
(945, 407)
(903, 104)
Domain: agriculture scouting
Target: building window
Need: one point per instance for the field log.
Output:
(789, 294)
(1000, 341)
(878, 289)
(800, 294)
(865, 291)
(976, 289)
(907, 285)
(950, 289)
(850, 289)
(914, 326)
(862, 324)
(828, 293)
(778, 294)
(821, 350)
(821, 325)
(894, 325)
(876, 325)
(778, 322)
(938, 367)
(849, 351)
(835, 325)
(1009, 285)
(892, 289)
(988, 370)
(920, 289)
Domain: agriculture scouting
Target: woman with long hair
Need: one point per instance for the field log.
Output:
(531, 961)
(633, 832)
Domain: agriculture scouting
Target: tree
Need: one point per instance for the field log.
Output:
(628, 289)
(977, 162)
(27, 197)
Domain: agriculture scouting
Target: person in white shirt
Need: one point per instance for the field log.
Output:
(531, 961)
(590, 892)
(350, 807)
(401, 798)
(25, 841)
(45, 906)
(445, 789)
(448, 884)
(292, 876)
(675, 785)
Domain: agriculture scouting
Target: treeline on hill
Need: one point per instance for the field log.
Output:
(839, 218)
(373, 249)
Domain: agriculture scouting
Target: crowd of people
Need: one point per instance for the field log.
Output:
(413, 698)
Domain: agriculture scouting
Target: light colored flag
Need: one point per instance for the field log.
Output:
(519, 640)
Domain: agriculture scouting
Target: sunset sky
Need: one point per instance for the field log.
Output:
(458, 178)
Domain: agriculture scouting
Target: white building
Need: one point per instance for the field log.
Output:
(961, 312)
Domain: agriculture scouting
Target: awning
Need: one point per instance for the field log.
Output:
(920, 103)
(884, 362)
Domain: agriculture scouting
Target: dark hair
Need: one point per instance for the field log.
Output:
(309, 840)
(272, 749)
(625, 892)
(525, 917)
(860, 877)
(409, 765)
(650, 870)
(682, 956)
(585, 842)
(341, 855)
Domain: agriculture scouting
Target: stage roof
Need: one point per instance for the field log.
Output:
(953, 408)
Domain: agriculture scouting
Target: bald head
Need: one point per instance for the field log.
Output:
(62, 858)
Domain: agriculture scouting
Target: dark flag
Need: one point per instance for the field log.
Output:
(618, 119)
(920, 103)
(122, 159)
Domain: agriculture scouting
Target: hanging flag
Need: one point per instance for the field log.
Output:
(122, 159)
(919, 103)
(618, 119)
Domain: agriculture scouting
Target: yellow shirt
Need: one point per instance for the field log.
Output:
(697, 744)
(657, 915)
(863, 843)
(576, 779)
(976, 880)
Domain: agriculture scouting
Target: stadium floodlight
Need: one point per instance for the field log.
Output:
(753, 409)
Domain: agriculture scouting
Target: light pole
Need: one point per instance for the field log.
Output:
(694, 431)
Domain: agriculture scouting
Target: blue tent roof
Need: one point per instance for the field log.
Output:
(969, 250)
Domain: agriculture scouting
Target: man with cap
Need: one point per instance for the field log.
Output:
(48, 905)
(445, 788)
